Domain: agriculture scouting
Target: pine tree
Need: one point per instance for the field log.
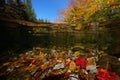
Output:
(29, 10)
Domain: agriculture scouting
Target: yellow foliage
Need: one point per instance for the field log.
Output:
(31, 68)
(6, 64)
(84, 9)
(41, 55)
(79, 26)
(72, 66)
(90, 61)
(77, 53)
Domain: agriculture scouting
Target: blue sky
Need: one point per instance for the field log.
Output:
(48, 9)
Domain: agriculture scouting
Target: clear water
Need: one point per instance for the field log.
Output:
(67, 39)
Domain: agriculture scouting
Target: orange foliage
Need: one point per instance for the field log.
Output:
(78, 9)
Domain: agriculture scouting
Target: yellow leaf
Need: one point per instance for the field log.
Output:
(31, 68)
(6, 64)
(41, 55)
(72, 66)
(77, 53)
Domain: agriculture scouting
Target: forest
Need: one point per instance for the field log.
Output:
(88, 14)
(82, 44)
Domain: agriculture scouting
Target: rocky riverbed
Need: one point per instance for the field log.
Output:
(61, 64)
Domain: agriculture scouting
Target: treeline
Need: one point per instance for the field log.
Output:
(13, 9)
(83, 12)
(102, 15)
(19, 9)
(43, 21)
(11, 2)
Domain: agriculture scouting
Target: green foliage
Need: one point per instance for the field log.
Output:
(29, 10)
(14, 3)
(43, 21)
(111, 12)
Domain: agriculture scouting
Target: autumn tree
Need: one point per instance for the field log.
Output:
(79, 12)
